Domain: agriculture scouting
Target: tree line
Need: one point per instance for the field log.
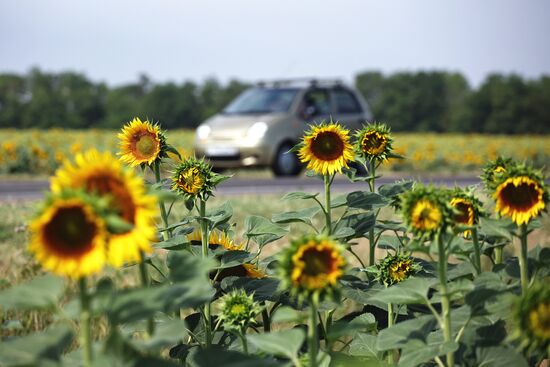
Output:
(412, 101)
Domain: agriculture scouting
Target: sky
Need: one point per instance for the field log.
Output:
(176, 40)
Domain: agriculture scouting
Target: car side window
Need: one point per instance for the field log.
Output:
(316, 102)
(346, 102)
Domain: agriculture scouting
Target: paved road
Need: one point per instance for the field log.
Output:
(28, 190)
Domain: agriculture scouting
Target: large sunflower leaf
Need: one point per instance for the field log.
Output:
(41, 292)
(412, 290)
(227, 358)
(366, 200)
(284, 343)
(32, 349)
(262, 231)
(304, 216)
(404, 332)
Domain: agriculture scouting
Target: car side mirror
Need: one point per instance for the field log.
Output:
(309, 112)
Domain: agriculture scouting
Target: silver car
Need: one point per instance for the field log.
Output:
(258, 128)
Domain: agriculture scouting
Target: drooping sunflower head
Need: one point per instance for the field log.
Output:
(520, 193)
(312, 266)
(216, 239)
(396, 268)
(238, 310)
(532, 316)
(141, 143)
(326, 148)
(493, 170)
(374, 141)
(194, 178)
(68, 237)
(425, 210)
(467, 208)
(103, 175)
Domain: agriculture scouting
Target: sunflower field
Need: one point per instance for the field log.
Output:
(401, 274)
(42, 151)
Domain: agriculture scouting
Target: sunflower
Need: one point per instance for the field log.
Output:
(532, 316)
(68, 237)
(493, 170)
(467, 208)
(102, 174)
(141, 143)
(311, 266)
(215, 240)
(326, 149)
(396, 268)
(193, 177)
(374, 141)
(521, 198)
(425, 210)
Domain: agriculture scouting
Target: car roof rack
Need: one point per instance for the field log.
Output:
(308, 82)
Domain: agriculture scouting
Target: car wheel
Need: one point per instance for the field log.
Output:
(286, 163)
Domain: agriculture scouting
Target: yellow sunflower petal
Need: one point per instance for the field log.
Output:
(326, 149)
(520, 198)
(102, 174)
(68, 238)
(139, 143)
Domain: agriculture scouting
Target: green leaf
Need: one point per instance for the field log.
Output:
(167, 333)
(495, 228)
(418, 353)
(410, 291)
(233, 258)
(264, 289)
(499, 357)
(392, 190)
(304, 216)
(184, 266)
(284, 343)
(219, 215)
(262, 231)
(366, 200)
(178, 242)
(338, 201)
(41, 292)
(361, 223)
(342, 327)
(216, 357)
(32, 349)
(343, 233)
(364, 345)
(288, 314)
(402, 333)
(297, 195)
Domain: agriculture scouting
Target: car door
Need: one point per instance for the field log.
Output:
(348, 109)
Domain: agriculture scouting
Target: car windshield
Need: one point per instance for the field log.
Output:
(261, 100)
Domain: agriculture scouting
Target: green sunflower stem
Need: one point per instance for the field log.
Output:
(391, 354)
(477, 251)
(242, 334)
(85, 319)
(372, 244)
(144, 277)
(163, 213)
(445, 302)
(523, 260)
(204, 242)
(328, 219)
(498, 255)
(313, 337)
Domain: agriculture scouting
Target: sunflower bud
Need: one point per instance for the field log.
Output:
(493, 170)
(238, 310)
(194, 178)
(467, 208)
(425, 211)
(394, 269)
(374, 141)
(312, 265)
(532, 316)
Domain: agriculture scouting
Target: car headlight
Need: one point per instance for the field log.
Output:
(203, 131)
(257, 130)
